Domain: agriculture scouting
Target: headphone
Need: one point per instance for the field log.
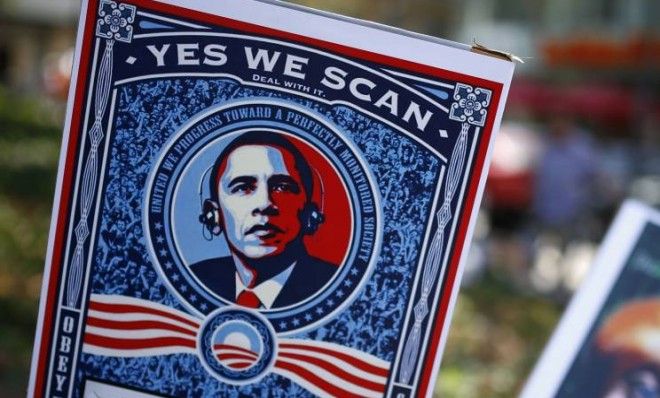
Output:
(210, 218)
(311, 216)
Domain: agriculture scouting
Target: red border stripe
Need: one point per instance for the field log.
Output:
(137, 325)
(334, 369)
(240, 365)
(315, 380)
(233, 347)
(223, 356)
(358, 363)
(130, 308)
(461, 232)
(137, 344)
(65, 193)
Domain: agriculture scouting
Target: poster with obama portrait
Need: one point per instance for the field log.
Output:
(256, 199)
(607, 344)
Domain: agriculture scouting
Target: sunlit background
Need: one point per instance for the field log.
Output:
(580, 133)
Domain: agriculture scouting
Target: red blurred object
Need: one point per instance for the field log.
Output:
(57, 73)
(600, 102)
(636, 51)
(509, 191)
(510, 180)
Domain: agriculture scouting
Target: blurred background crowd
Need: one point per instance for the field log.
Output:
(581, 132)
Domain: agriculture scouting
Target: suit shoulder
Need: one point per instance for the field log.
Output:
(211, 264)
(321, 266)
(217, 274)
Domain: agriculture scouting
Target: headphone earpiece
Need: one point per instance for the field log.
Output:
(311, 218)
(210, 217)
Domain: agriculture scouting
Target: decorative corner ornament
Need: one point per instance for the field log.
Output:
(471, 104)
(115, 21)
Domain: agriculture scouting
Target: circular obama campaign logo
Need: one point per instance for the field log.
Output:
(237, 346)
(267, 206)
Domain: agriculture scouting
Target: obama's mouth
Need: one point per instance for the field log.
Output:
(266, 230)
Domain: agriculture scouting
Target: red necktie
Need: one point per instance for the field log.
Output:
(248, 299)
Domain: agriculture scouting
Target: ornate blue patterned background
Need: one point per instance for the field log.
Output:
(147, 114)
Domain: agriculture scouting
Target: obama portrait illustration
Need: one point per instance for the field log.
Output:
(261, 202)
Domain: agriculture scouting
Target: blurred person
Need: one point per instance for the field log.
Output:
(563, 207)
(565, 175)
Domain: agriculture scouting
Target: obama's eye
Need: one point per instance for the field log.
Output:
(283, 184)
(243, 188)
(285, 187)
(243, 185)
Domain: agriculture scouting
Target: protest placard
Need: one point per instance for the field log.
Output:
(606, 344)
(258, 199)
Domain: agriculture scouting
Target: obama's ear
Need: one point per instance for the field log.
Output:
(211, 217)
(311, 218)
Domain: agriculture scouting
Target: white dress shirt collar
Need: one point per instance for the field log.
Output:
(267, 291)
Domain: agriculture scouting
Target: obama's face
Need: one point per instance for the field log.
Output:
(260, 196)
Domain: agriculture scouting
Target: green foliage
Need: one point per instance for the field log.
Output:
(29, 147)
(496, 336)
